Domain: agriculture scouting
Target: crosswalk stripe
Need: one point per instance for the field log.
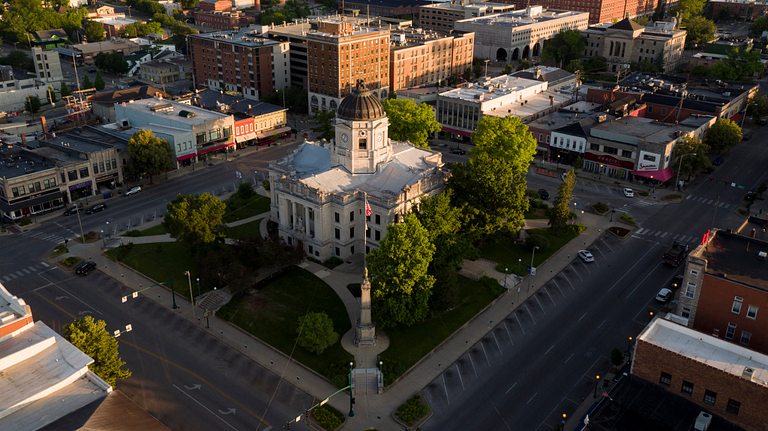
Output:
(682, 238)
(649, 232)
(658, 233)
(710, 202)
(7, 278)
(675, 237)
(44, 264)
(688, 197)
(26, 271)
(640, 231)
(665, 234)
(21, 274)
(721, 204)
(33, 268)
(13, 275)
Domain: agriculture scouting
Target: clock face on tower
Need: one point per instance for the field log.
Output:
(379, 137)
(344, 137)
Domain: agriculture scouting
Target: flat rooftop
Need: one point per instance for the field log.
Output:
(637, 129)
(212, 99)
(171, 109)
(533, 105)
(300, 29)
(563, 117)
(248, 37)
(736, 257)
(521, 18)
(491, 89)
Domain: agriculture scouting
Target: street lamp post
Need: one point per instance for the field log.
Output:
(505, 278)
(597, 380)
(191, 296)
(679, 167)
(103, 240)
(600, 173)
(532, 270)
(198, 287)
(558, 161)
(519, 261)
(351, 400)
(650, 186)
(108, 229)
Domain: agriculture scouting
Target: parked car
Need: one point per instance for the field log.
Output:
(676, 282)
(750, 196)
(96, 208)
(85, 267)
(586, 256)
(718, 161)
(458, 151)
(629, 193)
(664, 295)
(72, 210)
(746, 137)
(133, 190)
(763, 121)
(543, 194)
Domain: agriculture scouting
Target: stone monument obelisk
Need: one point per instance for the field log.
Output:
(365, 333)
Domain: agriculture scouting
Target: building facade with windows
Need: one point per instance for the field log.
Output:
(47, 66)
(320, 192)
(604, 10)
(519, 34)
(723, 379)
(240, 61)
(419, 57)
(441, 16)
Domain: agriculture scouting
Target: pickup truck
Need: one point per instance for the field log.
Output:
(676, 254)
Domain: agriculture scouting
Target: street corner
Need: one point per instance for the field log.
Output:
(620, 232)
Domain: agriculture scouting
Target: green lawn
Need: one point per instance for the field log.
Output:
(161, 261)
(247, 230)
(272, 314)
(238, 209)
(507, 254)
(154, 230)
(408, 345)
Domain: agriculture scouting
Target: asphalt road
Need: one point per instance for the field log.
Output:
(542, 361)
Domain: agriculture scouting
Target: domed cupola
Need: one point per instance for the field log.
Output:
(361, 105)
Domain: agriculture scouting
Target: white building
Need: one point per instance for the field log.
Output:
(520, 34)
(170, 6)
(47, 66)
(319, 192)
(442, 15)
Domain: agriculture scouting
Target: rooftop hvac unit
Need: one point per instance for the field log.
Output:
(702, 422)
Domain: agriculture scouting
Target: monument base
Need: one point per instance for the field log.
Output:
(365, 335)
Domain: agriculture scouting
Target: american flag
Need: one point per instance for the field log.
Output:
(368, 210)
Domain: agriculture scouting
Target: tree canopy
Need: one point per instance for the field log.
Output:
(410, 122)
(99, 83)
(691, 164)
(758, 107)
(560, 212)
(324, 122)
(724, 134)
(149, 154)
(91, 337)
(699, 30)
(759, 25)
(291, 10)
(111, 62)
(565, 46)
(195, 220)
(94, 31)
(400, 283)
(740, 65)
(316, 332)
(27, 16)
(295, 99)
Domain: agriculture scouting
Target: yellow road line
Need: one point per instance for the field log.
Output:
(56, 305)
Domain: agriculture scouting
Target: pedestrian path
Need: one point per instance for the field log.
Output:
(708, 201)
(661, 235)
(32, 269)
(43, 236)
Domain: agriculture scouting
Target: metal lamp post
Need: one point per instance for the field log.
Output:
(679, 167)
(198, 287)
(191, 296)
(103, 240)
(600, 173)
(108, 229)
(519, 261)
(351, 400)
(597, 380)
(505, 278)
(536, 247)
(650, 186)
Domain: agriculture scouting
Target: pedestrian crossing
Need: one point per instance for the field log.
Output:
(640, 203)
(43, 236)
(32, 269)
(708, 201)
(664, 236)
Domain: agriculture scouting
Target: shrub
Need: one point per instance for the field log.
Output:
(412, 410)
(617, 358)
(338, 373)
(333, 262)
(133, 232)
(328, 417)
(315, 332)
(601, 207)
(69, 261)
(576, 228)
(537, 239)
(245, 191)
(675, 196)
(25, 221)
(644, 194)
(532, 193)
(626, 218)
(392, 369)
(123, 250)
(265, 184)
(492, 285)
(90, 235)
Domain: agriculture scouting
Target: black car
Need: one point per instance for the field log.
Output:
(72, 210)
(750, 197)
(96, 208)
(543, 194)
(676, 282)
(85, 267)
(458, 151)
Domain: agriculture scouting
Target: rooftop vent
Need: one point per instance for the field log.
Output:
(747, 373)
(186, 114)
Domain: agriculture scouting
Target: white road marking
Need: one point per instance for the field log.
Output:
(21, 274)
(658, 233)
(44, 264)
(675, 237)
(646, 277)
(473, 365)
(534, 396)
(13, 275)
(26, 271)
(529, 313)
(460, 379)
(485, 353)
(640, 231)
(550, 297)
(569, 281)
(540, 306)
(519, 324)
(549, 349)
(497, 343)
(558, 287)
(505, 393)
(585, 315)
(601, 324)
(569, 358)
(508, 334)
(446, 389)
(606, 244)
(710, 202)
(665, 234)
(7, 278)
(201, 405)
(577, 274)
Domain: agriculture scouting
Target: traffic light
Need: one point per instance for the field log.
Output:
(287, 425)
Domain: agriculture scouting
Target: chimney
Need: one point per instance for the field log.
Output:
(23, 141)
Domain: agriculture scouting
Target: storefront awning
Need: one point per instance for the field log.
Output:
(246, 137)
(735, 118)
(456, 132)
(662, 175)
(186, 156)
(218, 147)
(13, 206)
(271, 133)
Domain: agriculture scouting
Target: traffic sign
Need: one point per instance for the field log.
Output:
(531, 270)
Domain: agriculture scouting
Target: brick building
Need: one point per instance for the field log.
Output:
(218, 14)
(743, 9)
(602, 10)
(441, 16)
(386, 7)
(723, 379)
(240, 62)
(339, 54)
(426, 57)
(88, 51)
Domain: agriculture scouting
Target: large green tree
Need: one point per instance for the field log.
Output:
(99, 83)
(492, 184)
(148, 154)
(759, 25)
(758, 107)
(324, 122)
(87, 83)
(32, 104)
(560, 212)
(316, 332)
(689, 8)
(565, 46)
(410, 122)
(699, 30)
(723, 135)
(26, 16)
(400, 282)
(195, 220)
(740, 65)
(94, 31)
(91, 337)
(691, 164)
(64, 90)
(20, 60)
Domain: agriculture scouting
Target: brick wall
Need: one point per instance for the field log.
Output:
(650, 361)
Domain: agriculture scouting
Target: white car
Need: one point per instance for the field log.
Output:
(133, 190)
(586, 256)
(629, 193)
(664, 295)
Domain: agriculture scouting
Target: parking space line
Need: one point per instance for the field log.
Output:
(534, 396)
(550, 298)
(529, 312)
(601, 252)
(601, 324)
(508, 334)
(630, 269)
(665, 234)
(459, 373)
(21, 274)
(569, 281)
(658, 233)
(518, 322)
(552, 347)
(473, 364)
(583, 316)
(485, 353)
(643, 280)
(542, 307)
(577, 274)
(7, 278)
(44, 264)
(505, 393)
(558, 287)
(446, 389)
(676, 236)
(605, 243)
(569, 358)
(13, 275)
(497, 343)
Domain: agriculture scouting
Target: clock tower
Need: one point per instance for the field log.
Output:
(361, 142)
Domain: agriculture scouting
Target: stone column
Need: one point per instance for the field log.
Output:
(365, 333)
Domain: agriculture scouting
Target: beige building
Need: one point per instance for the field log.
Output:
(627, 41)
(88, 51)
(163, 71)
(441, 16)
(418, 57)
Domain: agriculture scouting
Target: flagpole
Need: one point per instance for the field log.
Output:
(365, 231)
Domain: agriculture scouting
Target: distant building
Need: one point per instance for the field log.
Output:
(738, 9)
(104, 103)
(420, 57)
(47, 66)
(441, 16)
(555, 77)
(113, 26)
(520, 34)
(88, 51)
(605, 11)
(16, 85)
(395, 8)
(49, 39)
(101, 11)
(136, 59)
(77, 3)
(218, 14)
(627, 41)
(162, 71)
(543, 128)
(170, 6)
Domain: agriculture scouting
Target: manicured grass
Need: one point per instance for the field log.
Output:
(154, 230)
(272, 315)
(161, 261)
(408, 345)
(238, 209)
(507, 254)
(248, 230)
(536, 214)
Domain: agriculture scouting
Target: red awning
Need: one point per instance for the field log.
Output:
(735, 118)
(218, 147)
(457, 132)
(662, 175)
(188, 156)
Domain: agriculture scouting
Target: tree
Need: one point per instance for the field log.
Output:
(400, 283)
(467, 74)
(560, 212)
(689, 8)
(758, 107)
(91, 337)
(761, 189)
(410, 122)
(180, 33)
(700, 71)
(597, 64)
(492, 184)
(87, 83)
(32, 104)
(740, 64)
(477, 68)
(323, 120)
(565, 46)
(94, 31)
(724, 14)
(64, 90)
(19, 59)
(691, 164)
(508, 69)
(525, 64)
(112, 62)
(759, 25)
(700, 30)
(195, 220)
(316, 332)
(578, 163)
(723, 135)
(643, 20)
(574, 66)
(644, 66)
(99, 83)
(148, 154)
(51, 95)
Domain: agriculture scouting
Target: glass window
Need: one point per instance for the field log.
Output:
(745, 337)
(83, 172)
(45, 184)
(665, 379)
(72, 175)
(367, 233)
(352, 232)
(730, 331)
(95, 168)
(15, 192)
(377, 235)
(690, 290)
(686, 312)
(178, 147)
(336, 217)
(752, 312)
(114, 163)
(351, 216)
(200, 138)
(101, 166)
(687, 387)
(694, 272)
(337, 233)
(378, 219)
(736, 308)
(31, 187)
(710, 397)
(733, 406)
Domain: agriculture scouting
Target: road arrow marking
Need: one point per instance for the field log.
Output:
(228, 412)
(59, 298)
(192, 388)
(83, 312)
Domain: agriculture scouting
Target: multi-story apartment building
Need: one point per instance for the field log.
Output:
(163, 71)
(744, 9)
(47, 65)
(385, 7)
(339, 54)
(627, 41)
(519, 34)
(603, 10)
(420, 57)
(441, 16)
(240, 61)
(218, 14)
